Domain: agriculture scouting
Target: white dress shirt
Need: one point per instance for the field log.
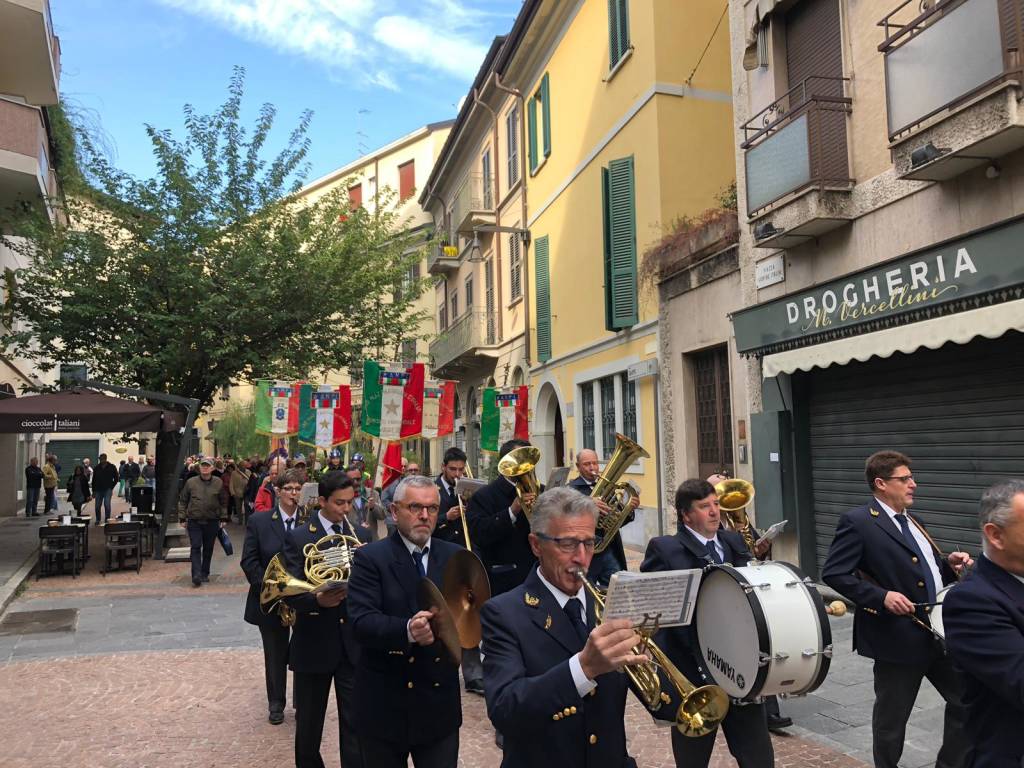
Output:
(584, 684)
(326, 524)
(704, 540)
(285, 518)
(922, 543)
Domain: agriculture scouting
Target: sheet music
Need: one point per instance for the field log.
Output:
(634, 596)
(773, 532)
(310, 494)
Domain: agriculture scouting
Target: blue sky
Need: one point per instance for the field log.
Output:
(371, 70)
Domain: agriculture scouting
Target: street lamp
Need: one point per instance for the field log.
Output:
(476, 252)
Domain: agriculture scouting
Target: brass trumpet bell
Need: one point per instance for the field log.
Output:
(734, 494)
(520, 466)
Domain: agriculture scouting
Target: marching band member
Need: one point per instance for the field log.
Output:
(884, 562)
(500, 529)
(323, 650)
(265, 535)
(700, 542)
(613, 558)
(407, 693)
(449, 519)
(549, 672)
(984, 621)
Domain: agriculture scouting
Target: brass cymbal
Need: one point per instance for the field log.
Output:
(429, 598)
(466, 588)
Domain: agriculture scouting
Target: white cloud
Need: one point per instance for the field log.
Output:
(360, 37)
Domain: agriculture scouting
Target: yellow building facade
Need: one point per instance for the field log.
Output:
(628, 128)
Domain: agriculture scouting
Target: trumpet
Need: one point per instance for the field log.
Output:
(327, 559)
(701, 708)
(520, 466)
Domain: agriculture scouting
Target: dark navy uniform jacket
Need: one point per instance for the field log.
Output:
(615, 548)
(448, 530)
(869, 556)
(984, 621)
(264, 537)
(503, 545)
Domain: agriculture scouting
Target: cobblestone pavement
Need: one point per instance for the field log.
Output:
(157, 673)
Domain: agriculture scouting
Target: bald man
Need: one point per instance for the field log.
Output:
(613, 558)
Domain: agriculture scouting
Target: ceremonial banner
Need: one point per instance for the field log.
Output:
(325, 415)
(392, 400)
(438, 409)
(277, 408)
(505, 416)
(389, 466)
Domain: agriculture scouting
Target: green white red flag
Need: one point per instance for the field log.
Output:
(277, 408)
(438, 409)
(392, 400)
(325, 415)
(389, 466)
(506, 415)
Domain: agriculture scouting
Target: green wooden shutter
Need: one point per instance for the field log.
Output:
(531, 124)
(541, 270)
(618, 30)
(621, 302)
(545, 103)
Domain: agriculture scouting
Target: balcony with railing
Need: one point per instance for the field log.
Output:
(797, 164)
(442, 258)
(29, 51)
(464, 344)
(953, 84)
(26, 174)
(474, 204)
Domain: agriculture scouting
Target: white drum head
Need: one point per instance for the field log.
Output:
(936, 613)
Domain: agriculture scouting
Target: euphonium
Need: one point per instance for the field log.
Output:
(733, 497)
(700, 710)
(520, 466)
(615, 494)
(328, 559)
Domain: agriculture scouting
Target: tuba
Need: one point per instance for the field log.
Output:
(328, 559)
(615, 494)
(700, 710)
(520, 466)
(733, 497)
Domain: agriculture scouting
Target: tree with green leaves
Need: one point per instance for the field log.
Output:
(214, 270)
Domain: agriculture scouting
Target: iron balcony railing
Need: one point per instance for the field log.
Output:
(472, 330)
(797, 142)
(475, 195)
(940, 57)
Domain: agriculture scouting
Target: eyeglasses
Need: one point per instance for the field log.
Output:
(901, 478)
(416, 509)
(292, 489)
(567, 544)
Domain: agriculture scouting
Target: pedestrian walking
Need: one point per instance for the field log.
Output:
(121, 475)
(56, 468)
(78, 489)
(132, 473)
(149, 472)
(200, 504)
(104, 481)
(50, 480)
(33, 486)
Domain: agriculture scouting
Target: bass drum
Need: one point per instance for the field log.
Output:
(762, 630)
(936, 614)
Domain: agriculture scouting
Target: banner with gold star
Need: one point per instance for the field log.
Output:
(277, 408)
(392, 400)
(325, 415)
(438, 408)
(506, 414)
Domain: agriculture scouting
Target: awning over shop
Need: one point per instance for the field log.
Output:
(959, 328)
(82, 410)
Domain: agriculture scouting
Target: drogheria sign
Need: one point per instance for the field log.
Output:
(977, 264)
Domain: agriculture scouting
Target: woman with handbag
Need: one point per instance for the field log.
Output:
(78, 489)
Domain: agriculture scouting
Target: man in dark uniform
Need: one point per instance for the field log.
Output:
(407, 692)
(883, 561)
(613, 558)
(323, 650)
(984, 622)
(449, 519)
(701, 542)
(500, 530)
(265, 535)
(550, 672)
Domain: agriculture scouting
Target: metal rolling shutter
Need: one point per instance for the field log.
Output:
(957, 412)
(71, 452)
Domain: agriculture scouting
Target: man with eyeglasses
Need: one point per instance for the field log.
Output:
(550, 670)
(885, 562)
(700, 542)
(265, 535)
(407, 691)
(323, 651)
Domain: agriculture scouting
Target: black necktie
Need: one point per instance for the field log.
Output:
(574, 610)
(713, 551)
(336, 528)
(929, 581)
(417, 557)
(288, 523)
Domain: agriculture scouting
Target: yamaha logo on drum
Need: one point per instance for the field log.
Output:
(725, 668)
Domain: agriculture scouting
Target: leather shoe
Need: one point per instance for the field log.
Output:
(779, 722)
(475, 686)
(196, 583)
(276, 717)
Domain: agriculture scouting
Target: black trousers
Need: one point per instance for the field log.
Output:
(896, 687)
(275, 661)
(202, 534)
(746, 733)
(443, 753)
(311, 694)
